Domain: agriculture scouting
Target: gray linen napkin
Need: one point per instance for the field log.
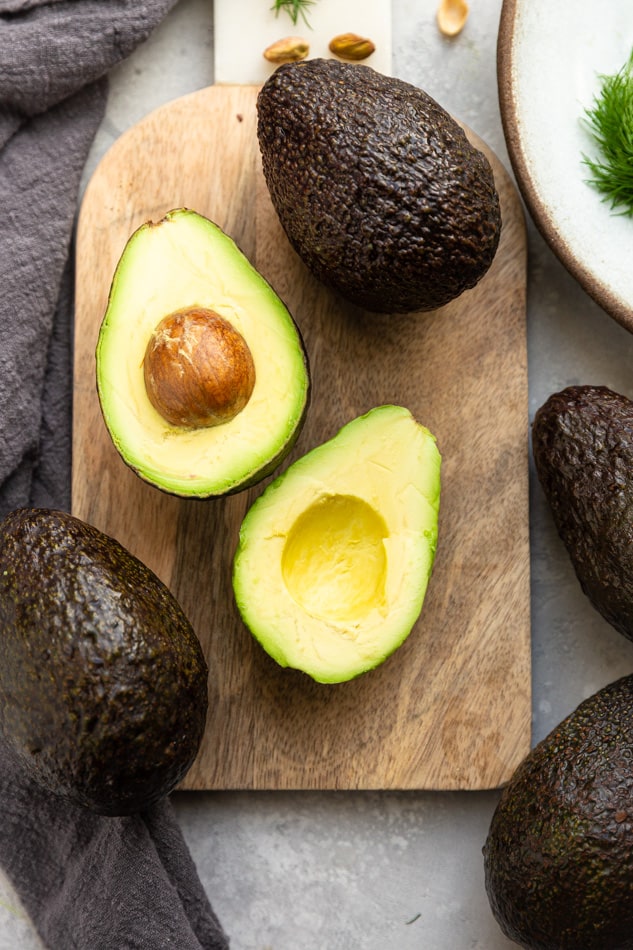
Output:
(87, 882)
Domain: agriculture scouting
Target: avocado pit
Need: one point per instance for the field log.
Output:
(198, 369)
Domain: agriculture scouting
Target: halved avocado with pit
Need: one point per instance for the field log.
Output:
(202, 375)
(334, 557)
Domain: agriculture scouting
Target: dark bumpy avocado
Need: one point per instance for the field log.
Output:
(377, 187)
(559, 853)
(582, 440)
(103, 684)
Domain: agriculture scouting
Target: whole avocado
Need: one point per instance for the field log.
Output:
(582, 442)
(376, 186)
(103, 683)
(558, 857)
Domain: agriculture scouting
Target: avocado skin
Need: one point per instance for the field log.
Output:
(559, 853)
(582, 443)
(376, 186)
(103, 683)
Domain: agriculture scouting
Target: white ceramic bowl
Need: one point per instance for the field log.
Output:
(550, 57)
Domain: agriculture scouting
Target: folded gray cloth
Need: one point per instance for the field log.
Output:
(87, 882)
(91, 883)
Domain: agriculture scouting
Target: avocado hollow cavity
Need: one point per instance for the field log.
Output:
(226, 419)
(334, 561)
(335, 556)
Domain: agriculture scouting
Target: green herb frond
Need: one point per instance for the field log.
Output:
(610, 123)
(294, 9)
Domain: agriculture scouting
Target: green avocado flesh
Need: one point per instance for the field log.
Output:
(103, 683)
(378, 189)
(182, 262)
(582, 441)
(559, 852)
(334, 557)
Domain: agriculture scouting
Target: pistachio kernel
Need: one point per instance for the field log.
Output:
(351, 46)
(451, 16)
(291, 49)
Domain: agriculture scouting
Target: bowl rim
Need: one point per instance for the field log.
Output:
(597, 288)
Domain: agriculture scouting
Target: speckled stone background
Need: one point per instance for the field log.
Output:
(350, 871)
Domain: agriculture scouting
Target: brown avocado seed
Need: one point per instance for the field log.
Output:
(198, 369)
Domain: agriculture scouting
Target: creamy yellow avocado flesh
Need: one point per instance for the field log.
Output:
(335, 556)
(182, 261)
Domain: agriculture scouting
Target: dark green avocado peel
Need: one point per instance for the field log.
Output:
(103, 683)
(377, 187)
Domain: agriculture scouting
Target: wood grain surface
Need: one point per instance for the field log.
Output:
(451, 708)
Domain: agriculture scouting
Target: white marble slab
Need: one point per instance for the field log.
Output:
(244, 30)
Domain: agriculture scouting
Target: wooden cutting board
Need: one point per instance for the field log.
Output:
(451, 708)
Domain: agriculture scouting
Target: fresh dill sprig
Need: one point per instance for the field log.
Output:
(610, 123)
(294, 9)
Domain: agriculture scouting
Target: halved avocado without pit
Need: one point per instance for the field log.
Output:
(202, 374)
(334, 557)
